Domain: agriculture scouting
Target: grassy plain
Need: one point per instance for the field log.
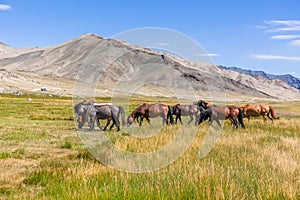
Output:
(42, 157)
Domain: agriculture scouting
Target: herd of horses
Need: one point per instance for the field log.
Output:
(88, 111)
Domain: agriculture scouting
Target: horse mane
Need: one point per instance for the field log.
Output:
(133, 114)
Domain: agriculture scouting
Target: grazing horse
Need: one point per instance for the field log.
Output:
(216, 113)
(265, 111)
(184, 110)
(87, 110)
(150, 111)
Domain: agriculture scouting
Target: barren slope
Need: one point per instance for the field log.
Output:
(108, 61)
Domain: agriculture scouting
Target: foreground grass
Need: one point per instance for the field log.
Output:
(42, 158)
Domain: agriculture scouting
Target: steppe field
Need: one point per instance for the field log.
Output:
(42, 157)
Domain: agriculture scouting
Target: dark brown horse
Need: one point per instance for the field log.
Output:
(150, 111)
(216, 113)
(265, 111)
(184, 110)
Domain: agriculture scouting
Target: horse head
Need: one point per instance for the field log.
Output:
(130, 120)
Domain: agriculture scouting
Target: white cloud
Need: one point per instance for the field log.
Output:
(284, 37)
(5, 7)
(275, 57)
(282, 25)
(295, 43)
(208, 54)
(283, 22)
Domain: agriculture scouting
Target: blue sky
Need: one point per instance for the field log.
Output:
(257, 34)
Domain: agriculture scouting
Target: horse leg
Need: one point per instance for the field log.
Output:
(98, 123)
(107, 123)
(270, 118)
(210, 121)
(148, 120)
(265, 119)
(191, 119)
(248, 119)
(235, 122)
(218, 122)
(111, 126)
(197, 121)
(91, 123)
(141, 121)
(81, 121)
(117, 123)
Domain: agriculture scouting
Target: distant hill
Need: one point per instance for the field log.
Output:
(289, 79)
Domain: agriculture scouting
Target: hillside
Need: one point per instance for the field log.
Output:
(109, 62)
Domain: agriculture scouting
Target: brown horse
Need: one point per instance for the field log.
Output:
(216, 113)
(184, 110)
(265, 111)
(150, 111)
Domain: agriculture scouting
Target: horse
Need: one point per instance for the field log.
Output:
(110, 112)
(87, 110)
(184, 110)
(216, 113)
(150, 111)
(265, 111)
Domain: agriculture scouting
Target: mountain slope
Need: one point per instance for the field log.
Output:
(7, 51)
(289, 79)
(109, 62)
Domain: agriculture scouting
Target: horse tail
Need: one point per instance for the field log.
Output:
(240, 117)
(170, 114)
(272, 112)
(122, 115)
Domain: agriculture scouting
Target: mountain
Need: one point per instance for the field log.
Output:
(289, 79)
(103, 67)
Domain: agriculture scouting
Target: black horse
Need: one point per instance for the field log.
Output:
(87, 111)
(184, 110)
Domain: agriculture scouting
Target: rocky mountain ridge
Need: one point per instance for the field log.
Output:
(289, 79)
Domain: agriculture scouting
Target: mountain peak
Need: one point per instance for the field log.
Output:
(92, 35)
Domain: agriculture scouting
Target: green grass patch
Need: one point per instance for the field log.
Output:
(4, 155)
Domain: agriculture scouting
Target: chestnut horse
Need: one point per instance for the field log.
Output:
(265, 111)
(150, 111)
(216, 113)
